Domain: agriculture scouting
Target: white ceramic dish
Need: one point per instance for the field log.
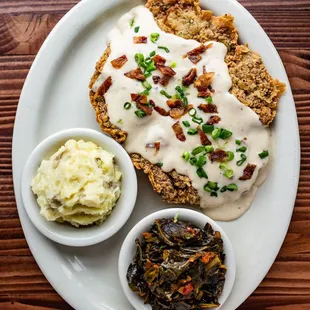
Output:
(128, 250)
(55, 97)
(84, 236)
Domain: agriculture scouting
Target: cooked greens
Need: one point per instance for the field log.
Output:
(178, 266)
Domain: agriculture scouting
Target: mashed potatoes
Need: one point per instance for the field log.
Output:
(79, 184)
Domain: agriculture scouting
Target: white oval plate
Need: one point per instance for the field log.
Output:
(55, 97)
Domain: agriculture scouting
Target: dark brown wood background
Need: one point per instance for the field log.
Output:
(24, 25)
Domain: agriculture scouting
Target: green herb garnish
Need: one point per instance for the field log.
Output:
(192, 112)
(207, 128)
(152, 54)
(225, 134)
(139, 58)
(242, 160)
(164, 48)
(192, 132)
(137, 29)
(127, 105)
(140, 113)
(173, 64)
(146, 85)
(263, 154)
(186, 155)
(164, 93)
(197, 150)
(186, 123)
(154, 37)
(230, 155)
(209, 148)
(209, 99)
(131, 22)
(216, 133)
(201, 173)
(238, 142)
(242, 149)
(197, 120)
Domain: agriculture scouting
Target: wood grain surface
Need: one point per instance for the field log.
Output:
(24, 25)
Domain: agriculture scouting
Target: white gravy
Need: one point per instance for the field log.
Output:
(236, 117)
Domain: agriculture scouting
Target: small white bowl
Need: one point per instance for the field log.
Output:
(65, 233)
(128, 251)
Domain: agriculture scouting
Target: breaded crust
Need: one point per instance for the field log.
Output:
(252, 84)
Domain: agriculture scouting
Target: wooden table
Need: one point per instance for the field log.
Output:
(24, 25)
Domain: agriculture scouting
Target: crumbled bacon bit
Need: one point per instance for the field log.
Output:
(218, 155)
(161, 111)
(248, 172)
(176, 113)
(178, 131)
(156, 79)
(146, 108)
(202, 84)
(208, 108)
(138, 98)
(214, 119)
(198, 50)
(152, 103)
(159, 60)
(194, 58)
(204, 70)
(203, 137)
(140, 40)
(136, 74)
(165, 70)
(165, 80)
(174, 103)
(190, 77)
(155, 145)
(119, 62)
(105, 86)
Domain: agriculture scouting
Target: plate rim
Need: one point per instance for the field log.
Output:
(70, 299)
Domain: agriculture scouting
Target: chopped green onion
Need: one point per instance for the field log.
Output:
(164, 93)
(154, 37)
(193, 161)
(147, 74)
(192, 112)
(139, 58)
(180, 90)
(148, 60)
(185, 101)
(159, 165)
(164, 48)
(131, 22)
(207, 188)
(146, 85)
(232, 187)
(176, 96)
(242, 160)
(150, 66)
(140, 113)
(127, 105)
(145, 92)
(152, 54)
(230, 155)
(201, 161)
(175, 219)
(209, 148)
(224, 189)
(186, 123)
(120, 121)
(227, 172)
(225, 134)
(201, 173)
(197, 150)
(216, 133)
(214, 194)
(213, 185)
(186, 155)
(173, 64)
(207, 128)
(137, 29)
(238, 142)
(197, 120)
(263, 154)
(209, 99)
(192, 132)
(242, 149)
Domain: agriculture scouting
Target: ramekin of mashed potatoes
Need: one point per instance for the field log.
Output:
(80, 184)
